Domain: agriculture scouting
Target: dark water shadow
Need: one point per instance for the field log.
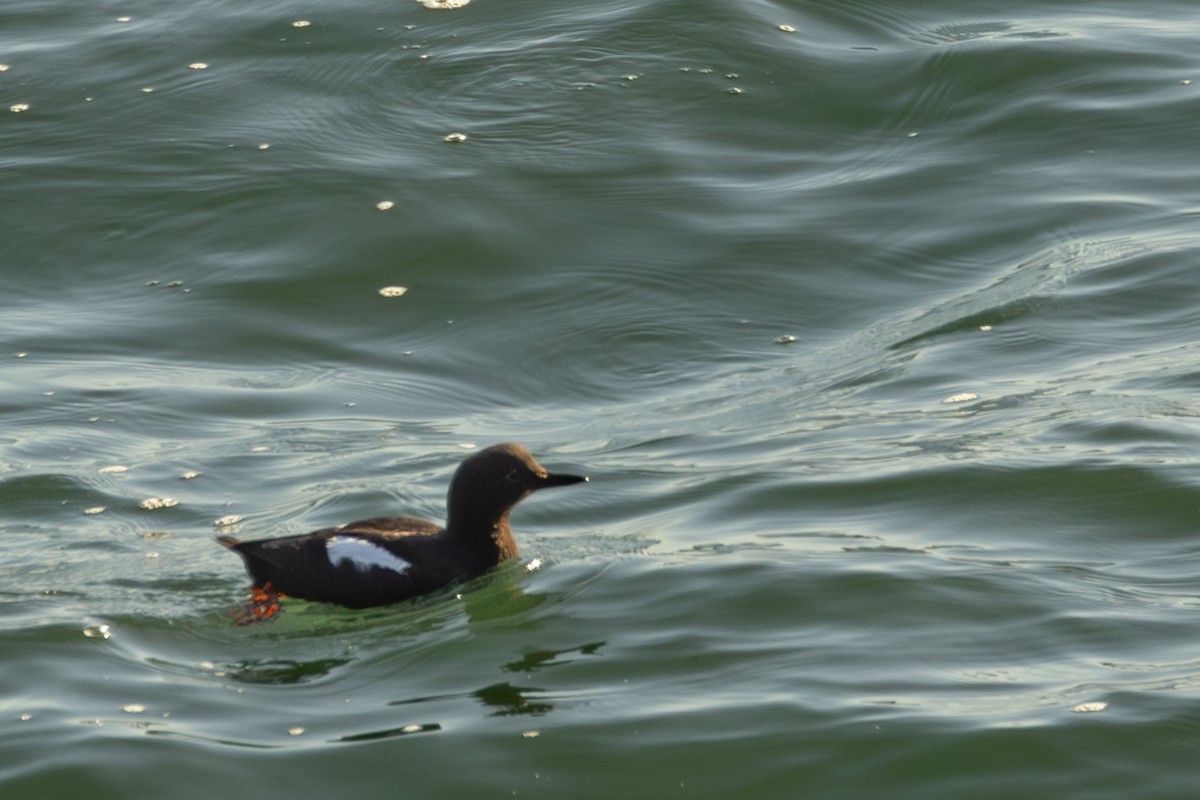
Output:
(282, 671)
(536, 659)
(506, 700)
(390, 733)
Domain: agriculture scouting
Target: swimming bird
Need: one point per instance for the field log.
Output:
(386, 560)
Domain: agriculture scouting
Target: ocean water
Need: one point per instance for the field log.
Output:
(874, 325)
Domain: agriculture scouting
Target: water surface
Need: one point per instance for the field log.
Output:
(876, 338)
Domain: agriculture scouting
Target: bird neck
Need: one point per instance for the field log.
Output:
(506, 545)
(478, 528)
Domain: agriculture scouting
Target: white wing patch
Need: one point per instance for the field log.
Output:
(363, 555)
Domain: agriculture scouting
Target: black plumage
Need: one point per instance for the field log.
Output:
(385, 560)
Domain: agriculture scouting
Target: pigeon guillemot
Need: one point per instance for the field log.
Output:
(385, 560)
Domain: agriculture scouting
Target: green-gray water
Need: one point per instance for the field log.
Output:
(877, 337)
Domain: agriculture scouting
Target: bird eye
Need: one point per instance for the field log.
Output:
(513, 477)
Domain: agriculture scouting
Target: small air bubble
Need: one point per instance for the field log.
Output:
(962, 397)
(152, 503)
(1086, 708)
(97, 632)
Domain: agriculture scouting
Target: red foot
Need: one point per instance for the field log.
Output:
(264, 604)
